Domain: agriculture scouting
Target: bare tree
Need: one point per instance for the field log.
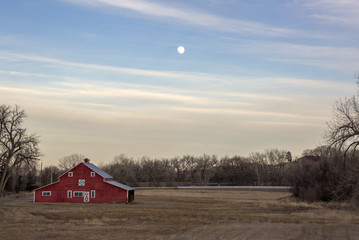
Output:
(123, 169)
(276, 160)
(275, 156)
(191, 167)
(269, 166)
(205, 167)
(318, 152)
(343, 135)
(16, 146)
(68, 162)
(49, 175)
(257, 160)
(288, 156)
(343, 129)
(180, 169)
(237, 170)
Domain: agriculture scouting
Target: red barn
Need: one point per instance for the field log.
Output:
(85, 183)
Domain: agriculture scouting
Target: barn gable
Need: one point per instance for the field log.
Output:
(85, 183)
(91, 166)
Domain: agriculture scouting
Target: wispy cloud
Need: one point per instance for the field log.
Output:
(315, 84)
(170, 75)
(133, 71)
(326, 57)
(86, 97)
(111, 88)
(191, 16)
(164, 95)
(333, 11)
(91, 92)
(239, 112)
(39, 75)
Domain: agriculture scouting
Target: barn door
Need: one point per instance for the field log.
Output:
(86, 196)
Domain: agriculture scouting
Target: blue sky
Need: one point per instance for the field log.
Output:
(103, 77)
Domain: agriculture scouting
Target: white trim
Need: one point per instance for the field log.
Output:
(93, 174)
(74, 192)
(94, 193)
(70, 174)
(86, 196)
(69, 193)
(44, 193)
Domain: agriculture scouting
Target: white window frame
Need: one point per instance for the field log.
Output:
(70, 174)
(82, 182)
(93, 174)
(80, 193)
(46, 193)
(93, 194)
(69, 194)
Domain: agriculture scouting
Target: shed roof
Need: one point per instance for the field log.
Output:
(120, 185)
(97, 170)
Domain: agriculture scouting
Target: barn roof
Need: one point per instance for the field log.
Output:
(97, 170)
(120, 185)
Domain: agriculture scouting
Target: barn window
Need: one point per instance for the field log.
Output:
(70, 174)
(92, 174)
(92, 193)
(78, 194)
(81, 182)
(69, 194)
(48, 193)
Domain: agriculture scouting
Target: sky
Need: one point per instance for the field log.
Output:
(104, 78)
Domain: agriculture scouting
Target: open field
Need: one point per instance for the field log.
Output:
(180, 214)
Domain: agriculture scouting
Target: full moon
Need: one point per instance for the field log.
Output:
(180, 50)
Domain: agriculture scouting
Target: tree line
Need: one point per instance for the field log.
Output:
(267, 168)
(327, 173)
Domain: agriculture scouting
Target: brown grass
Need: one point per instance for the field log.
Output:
(181, 214)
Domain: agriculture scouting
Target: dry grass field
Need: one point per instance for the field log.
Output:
(180, 214)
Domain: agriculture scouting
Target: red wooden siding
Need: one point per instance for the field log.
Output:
(104, 192)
